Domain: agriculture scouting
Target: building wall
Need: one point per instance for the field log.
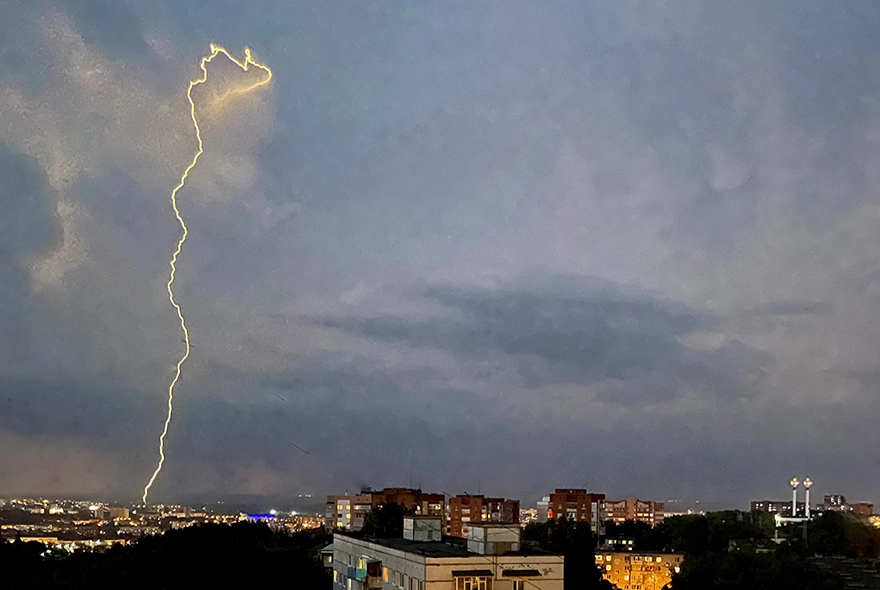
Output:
(638, 570)
(542, 508)
(439, 570)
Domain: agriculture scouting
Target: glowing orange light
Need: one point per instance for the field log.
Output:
(244, 65)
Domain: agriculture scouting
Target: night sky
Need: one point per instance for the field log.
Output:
(505, 245)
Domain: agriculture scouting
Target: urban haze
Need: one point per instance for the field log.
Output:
(461, 246)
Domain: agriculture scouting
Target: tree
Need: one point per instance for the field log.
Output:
(207, 556)
(385, 521)
(576, 542)
(836, 533)
(644, 536)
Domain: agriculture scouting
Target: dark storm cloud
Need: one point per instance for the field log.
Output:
(550, 338)
(100, 413)
(28, 221)
(28, 227)
(112, 26)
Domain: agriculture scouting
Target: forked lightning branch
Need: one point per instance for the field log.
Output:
(245, 66)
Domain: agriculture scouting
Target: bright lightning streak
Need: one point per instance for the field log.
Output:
(244, 65)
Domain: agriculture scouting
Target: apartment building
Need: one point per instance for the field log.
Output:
(465, 509)
(414, 499)
(348, 512)
(580, 506)
(491, 558)
(638, 570)
(646, 511)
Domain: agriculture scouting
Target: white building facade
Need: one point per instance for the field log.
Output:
(491, 559)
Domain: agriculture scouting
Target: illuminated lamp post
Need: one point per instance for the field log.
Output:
(807, 484)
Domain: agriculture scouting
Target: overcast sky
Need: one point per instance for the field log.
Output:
(495, 245)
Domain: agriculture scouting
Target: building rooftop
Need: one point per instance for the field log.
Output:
(448, 547)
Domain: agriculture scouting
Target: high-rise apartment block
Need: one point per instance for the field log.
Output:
(646, 511)
(580, 506)
(348, 512)
(465, 509)
(413, 499)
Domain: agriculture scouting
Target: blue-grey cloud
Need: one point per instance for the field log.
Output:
(711, 164)
(793, 308)
(556, 339)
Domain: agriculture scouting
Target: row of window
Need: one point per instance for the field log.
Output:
(401, 580)
(658, 558)
(473, 583)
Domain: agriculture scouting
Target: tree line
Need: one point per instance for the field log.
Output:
(241, 555)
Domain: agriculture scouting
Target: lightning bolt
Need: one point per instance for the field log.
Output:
(245, 66)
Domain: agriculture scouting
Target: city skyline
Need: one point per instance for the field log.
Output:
(469, 247)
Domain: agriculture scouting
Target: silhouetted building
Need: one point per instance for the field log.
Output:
(862, 508)
(834, 502)
(111, 512)
(781, 507)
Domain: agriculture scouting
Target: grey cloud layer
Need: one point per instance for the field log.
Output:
(713, 164)
(555, 339)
